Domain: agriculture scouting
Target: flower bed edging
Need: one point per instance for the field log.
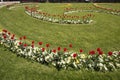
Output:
(86, 19)
(96, 60)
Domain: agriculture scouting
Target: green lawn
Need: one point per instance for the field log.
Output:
(17, 68)
(103, 33)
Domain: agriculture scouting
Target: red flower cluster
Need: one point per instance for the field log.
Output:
(100, 52)
(92, 52)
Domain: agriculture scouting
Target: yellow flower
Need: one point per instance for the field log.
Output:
(76, 61)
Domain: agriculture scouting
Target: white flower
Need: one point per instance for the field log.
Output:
(106, 69)
(53, 64)
(83, 56)
(100, 65)
(118, 65)
(74, 65)
(68, 60)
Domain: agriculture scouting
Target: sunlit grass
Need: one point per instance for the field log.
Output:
(103, 33)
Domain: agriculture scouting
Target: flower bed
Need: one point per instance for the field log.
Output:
(108, 10)
(68, 19)
(64, 19)
(95, 60)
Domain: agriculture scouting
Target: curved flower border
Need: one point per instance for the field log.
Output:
(91, 9)
(63, 19)
(96, 60)
(107, 10)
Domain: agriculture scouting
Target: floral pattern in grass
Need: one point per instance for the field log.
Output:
(61, 58)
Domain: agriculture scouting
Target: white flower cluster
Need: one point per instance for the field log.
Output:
(59, 59)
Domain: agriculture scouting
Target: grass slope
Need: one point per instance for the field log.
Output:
(102, 33)
(17, 68)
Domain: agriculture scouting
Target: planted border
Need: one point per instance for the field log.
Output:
(61, 58)
(62, 19)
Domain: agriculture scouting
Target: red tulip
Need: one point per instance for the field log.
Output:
(12, 37)
(4, 30)
(100, 52)
(65, 49)
(24, 37)
(5, 36)
(47, 45)
(54, 51)
(33, 42)
(32, 45)
(40, 43)
(25, 45)
(43, 49)
(59, 48)
(9, 33)
(20, 38)
(98, 49)
(110, 53)
(20, 43)
(74, 55)
(70, 45)
(92, 52)
(81, 50)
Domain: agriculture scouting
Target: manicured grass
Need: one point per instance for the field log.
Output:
(102, 33)
(13, 67)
